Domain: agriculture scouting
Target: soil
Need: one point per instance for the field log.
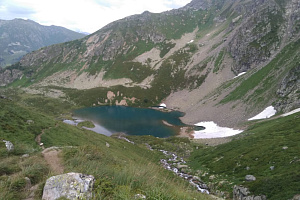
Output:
(53, 159)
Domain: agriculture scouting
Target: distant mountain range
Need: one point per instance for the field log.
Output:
(19, 37)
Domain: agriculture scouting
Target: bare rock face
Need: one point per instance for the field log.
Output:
(71, 186)
(7, 76)
(289, 91)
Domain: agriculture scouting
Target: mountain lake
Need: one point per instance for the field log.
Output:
(131, 121)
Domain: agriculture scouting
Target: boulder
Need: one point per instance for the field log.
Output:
(71, 186)
(9, 145)
(296, 197)
(242, 193)
(239, 192)
(250, 178)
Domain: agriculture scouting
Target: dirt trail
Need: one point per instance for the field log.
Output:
(38, 138)
(51, 155)
(52, 158)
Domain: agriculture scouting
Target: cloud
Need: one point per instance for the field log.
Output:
(82, 15)
(9, 10)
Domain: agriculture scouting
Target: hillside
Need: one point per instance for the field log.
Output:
(121, 169)
(19, 37)
(215, 60)
(187, 57)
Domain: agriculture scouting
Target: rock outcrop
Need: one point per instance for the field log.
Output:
(242, 193)
(7, 76)
(288, 91)
(71, 186)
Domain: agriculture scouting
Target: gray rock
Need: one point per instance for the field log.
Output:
(139, 196)
(9, 75)
(29, 121)
(107, 145)
(242, 193)
(272, 168)
(9, 145)
(28, 183)
(288, 91)
(181, 166)
(296, 197)
(71, 186)
(250, 178)
(25, 156)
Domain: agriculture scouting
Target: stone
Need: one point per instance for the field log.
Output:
(139, 196)
(9, 145)
(71, 186)
(181, 166)
(28, 183)
(242, 193)
(250, 178)
(29, 121)
(296, 197)
(284, 148)
(272, 168)
(107, 145)
(25, 156)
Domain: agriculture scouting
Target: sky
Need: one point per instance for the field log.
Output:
(82, 15)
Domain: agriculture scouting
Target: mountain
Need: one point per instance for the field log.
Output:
(19, 37)
(187, 57)
(216, 60)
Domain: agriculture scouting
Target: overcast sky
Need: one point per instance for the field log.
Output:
(81, 15)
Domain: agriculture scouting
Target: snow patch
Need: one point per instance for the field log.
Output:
(14, 44)
(240, 74)
(290, 113)
(212, 130)
(267, 113)
(163, 105)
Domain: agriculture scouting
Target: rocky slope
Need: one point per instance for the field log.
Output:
(187, 57)
(19, 37)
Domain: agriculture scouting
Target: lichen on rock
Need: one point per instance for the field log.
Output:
(71, 186)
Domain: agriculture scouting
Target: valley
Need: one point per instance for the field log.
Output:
(230, 66)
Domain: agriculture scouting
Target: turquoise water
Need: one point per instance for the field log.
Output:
(132, 121)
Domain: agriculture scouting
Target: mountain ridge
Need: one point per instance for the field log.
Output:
(19, 37)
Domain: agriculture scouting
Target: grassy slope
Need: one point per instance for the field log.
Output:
(258, 148)
(121, 171)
